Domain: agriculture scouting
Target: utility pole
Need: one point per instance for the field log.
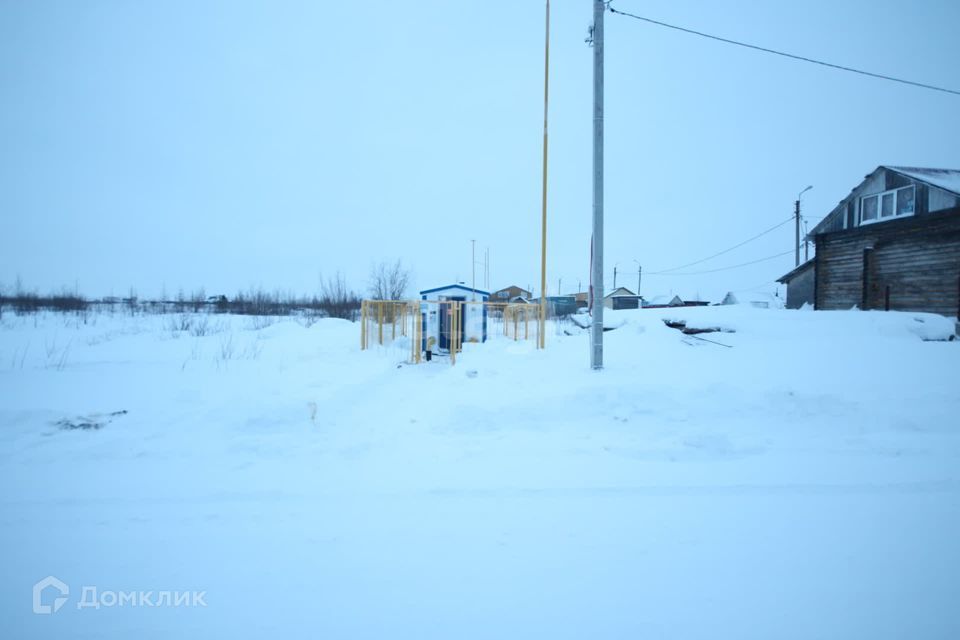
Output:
(806, 242)
(473, 267)
(796, 244)
(797, 221)
(614, 277)
(559, 287)
(639, 273)
(596, 255)
(543, 224)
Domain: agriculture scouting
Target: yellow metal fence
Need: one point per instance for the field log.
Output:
(389, 322)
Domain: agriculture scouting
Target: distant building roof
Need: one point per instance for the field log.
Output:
(455, 286)
(790, 275)
(513, 286)
(620, 291)
(663, 301)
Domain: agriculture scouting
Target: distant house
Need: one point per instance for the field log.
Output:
(755, 299)
(444, 308)
(621, 298)
(893, 243)
(558, 306)
(512, 293)
(800, 284)
(661, 302)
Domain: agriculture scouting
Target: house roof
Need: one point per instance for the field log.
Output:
(790, 275)
(620, 291)
(513, 286)
(946, 179)
(455, 286)
(664, 301)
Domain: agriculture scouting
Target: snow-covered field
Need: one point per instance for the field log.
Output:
(803, 482)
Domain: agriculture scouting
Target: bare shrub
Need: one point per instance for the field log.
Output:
(337, 300)
(178, 323)
(257, 323)
(389, 281)
(227, 348)
(201, 327)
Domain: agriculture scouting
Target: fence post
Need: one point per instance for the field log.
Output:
(380, 321)
(363, 325)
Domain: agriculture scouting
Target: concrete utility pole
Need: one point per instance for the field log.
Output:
(596, 293)
(797, 221)
(543, 226)
(796, 243)
(614, 277)
(639, 273)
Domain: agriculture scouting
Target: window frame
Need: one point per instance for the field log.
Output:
(879, 197)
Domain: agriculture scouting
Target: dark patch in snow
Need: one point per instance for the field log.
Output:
(681, 325)
(90, 422)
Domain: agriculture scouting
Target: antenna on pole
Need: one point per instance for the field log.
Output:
(596, 253)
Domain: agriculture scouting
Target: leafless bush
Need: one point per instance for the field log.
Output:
(182, 322)
(337, 300)
(19, 357)
(57, 357)
(227, 349)
(389, 282)
(198, 300)
(201, 327)
(257, 323)
(308, 319)
(131, 302)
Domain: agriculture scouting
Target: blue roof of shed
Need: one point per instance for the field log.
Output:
(455, 286)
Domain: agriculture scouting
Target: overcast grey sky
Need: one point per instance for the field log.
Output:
(235, 144)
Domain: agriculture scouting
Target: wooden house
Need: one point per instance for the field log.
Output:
(510, 294)
(893, 243)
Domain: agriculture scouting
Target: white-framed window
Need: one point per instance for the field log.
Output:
(895, 203)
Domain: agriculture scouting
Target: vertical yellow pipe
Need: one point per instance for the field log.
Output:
(418, 332)
(543, 225)
(380, 321)
(363, 325)
(453, 333)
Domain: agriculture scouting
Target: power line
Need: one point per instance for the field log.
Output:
(720, 253)
(786, 55)
(755, 287)
(735, 266)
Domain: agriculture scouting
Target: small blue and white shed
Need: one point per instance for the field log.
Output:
(437, 309)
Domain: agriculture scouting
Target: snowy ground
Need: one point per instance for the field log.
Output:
(803, 483)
